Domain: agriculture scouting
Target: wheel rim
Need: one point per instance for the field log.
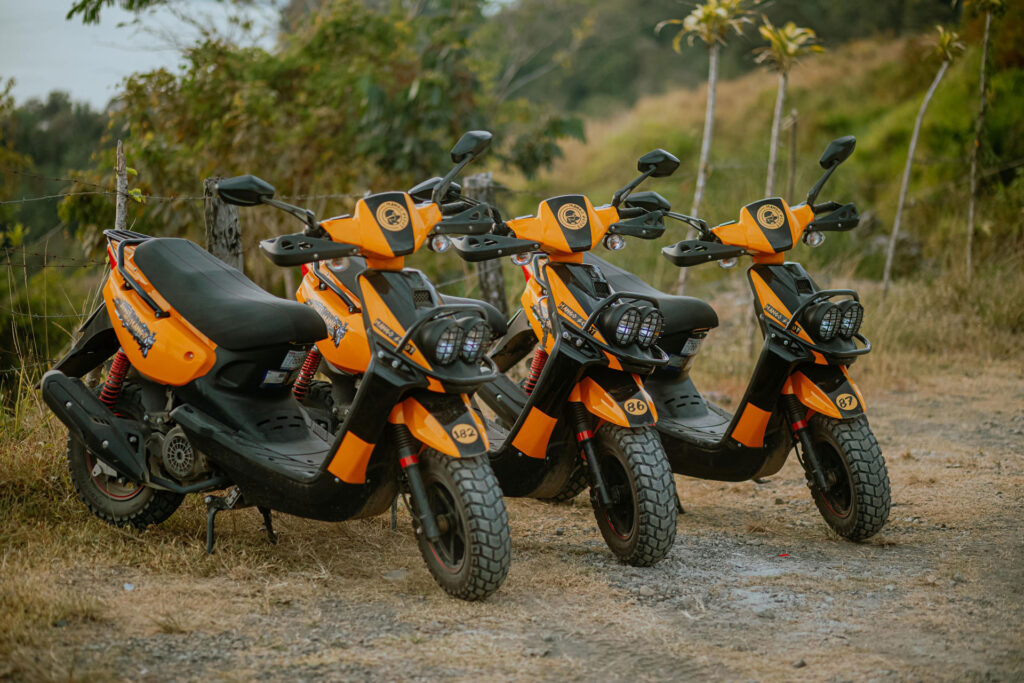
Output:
(621, 515)
(839, 497)
(109, 485)
(450, 548)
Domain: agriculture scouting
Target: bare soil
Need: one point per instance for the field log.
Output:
(755, 588)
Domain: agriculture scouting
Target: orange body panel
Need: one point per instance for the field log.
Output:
(601, 404)
(535, 433)
(810, 394)
(385, 322)
(429, 430)
(749, 431)
(365, 228)
(773, 306)
(166, 350)
(856, 389)
(346, 346)
(748, 233)
(350, 460)
(547, 228)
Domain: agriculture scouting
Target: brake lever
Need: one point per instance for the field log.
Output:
(698, 224)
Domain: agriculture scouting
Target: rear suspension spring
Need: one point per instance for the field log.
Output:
(115, 378)
(540, 357)
(306, 374)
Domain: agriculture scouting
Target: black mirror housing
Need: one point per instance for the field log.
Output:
(648, 200)
(244, 190)
(471, 145)
(657, 163)
(838, 151)
(422, 192)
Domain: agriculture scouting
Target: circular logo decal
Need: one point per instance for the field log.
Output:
(464, 433)
(392, 216)
(771, 217)
(636, 406)
(846, 401)
(572, 216)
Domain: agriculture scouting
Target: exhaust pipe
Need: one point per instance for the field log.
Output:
(115, 441)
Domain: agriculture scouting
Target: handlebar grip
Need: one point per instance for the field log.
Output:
(633, 212)
(454, 207)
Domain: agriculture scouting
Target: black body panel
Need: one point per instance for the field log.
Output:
(97, 342)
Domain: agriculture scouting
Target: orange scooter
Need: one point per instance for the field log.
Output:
(199, 393)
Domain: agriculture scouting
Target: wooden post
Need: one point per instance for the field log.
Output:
(223, 232)
(492, 280)
(121, 199)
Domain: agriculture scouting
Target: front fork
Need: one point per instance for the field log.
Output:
(585, 439)
(797, 412)
(410, 463)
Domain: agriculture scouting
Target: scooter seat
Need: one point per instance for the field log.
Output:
(220, 301)
(682, 313)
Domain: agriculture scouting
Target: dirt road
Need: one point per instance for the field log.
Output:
(755, 588)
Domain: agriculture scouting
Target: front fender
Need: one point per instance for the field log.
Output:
(445, 422)
(827, 390)
(616, 397)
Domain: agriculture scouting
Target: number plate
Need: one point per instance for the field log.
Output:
(691, 346)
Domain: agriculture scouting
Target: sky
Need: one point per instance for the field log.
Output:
(42, 51)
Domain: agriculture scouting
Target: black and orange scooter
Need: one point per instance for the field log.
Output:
(199, 394)
(801, 390)
(583, 415)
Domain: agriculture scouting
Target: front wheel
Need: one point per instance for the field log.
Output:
(471, 558)
(640, 525)
(856, 504)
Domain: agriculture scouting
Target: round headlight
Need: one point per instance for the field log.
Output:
(823, 319)
(650, 328)
(853, 316)
(614, 242)
(473, 345)
(441, 339)
(621, 323)
(440, 244)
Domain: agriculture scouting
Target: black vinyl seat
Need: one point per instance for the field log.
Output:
(682, 313)
(224, 304)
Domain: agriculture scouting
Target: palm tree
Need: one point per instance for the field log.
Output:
(711, 22)
(947, 47)
(989, 7)
(786, 45)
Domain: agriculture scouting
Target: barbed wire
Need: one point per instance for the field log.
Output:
(39, 316)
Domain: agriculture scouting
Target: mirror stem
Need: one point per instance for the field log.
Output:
(304, 215)
(622, 193)
(813, 194)
(441, 189)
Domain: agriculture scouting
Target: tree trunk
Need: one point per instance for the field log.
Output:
(979, 126)
(705, 147)
(906, 178)
(223, 232)
(773, 147)
(791, 174)
(489, 274)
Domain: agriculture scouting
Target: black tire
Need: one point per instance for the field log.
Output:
(857, 504)
(574, 486)
(472, 557)
(641, 527)
(118, 502)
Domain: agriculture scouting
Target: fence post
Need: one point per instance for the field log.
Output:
(223, 232)
(121, 198)
(791, 173)
(491, 278)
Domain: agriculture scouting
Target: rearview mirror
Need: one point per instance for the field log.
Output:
(838, 151)
(471, 145)
(244, 190)
(658, 163)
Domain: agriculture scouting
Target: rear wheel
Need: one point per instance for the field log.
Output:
(472, 556)
(640, 525)
(114, 499)
(856, 504)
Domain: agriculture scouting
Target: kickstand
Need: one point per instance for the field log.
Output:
(679, 505)
(394, 514)
(271, 536)
(215, 504)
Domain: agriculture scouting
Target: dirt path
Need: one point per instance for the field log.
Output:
(755, 587)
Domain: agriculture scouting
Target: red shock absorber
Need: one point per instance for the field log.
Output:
(306, 374)
(115, 378)
(540, 357)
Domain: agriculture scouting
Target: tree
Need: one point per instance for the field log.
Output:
(947, 48)
(990, 8)
(786, 45)
(711, 23)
